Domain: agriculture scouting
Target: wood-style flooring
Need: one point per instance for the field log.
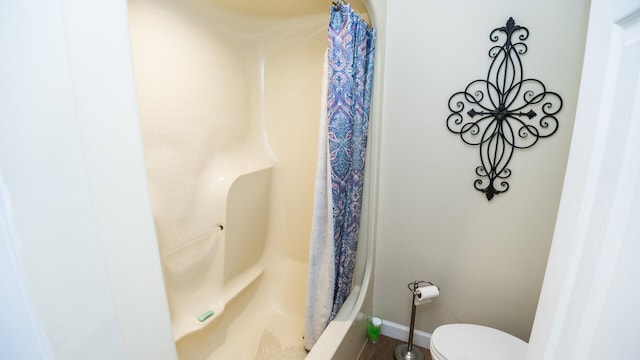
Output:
(384, 349)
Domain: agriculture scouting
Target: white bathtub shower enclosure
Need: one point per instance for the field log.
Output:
(229, 97)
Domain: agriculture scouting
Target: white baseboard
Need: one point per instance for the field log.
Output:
(401, 332)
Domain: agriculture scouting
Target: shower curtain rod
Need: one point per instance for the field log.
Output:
(338, 3)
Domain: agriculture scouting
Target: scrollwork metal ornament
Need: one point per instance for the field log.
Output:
(504, 112)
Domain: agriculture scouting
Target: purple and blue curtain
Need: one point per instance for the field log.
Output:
(340, 172)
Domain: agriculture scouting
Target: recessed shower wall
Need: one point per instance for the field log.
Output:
(229, 107)
(209, 271)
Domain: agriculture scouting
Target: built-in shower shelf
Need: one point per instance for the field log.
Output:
(185, 326)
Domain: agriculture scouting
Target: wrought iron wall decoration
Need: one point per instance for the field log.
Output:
(504, 112)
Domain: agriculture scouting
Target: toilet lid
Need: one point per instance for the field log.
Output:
(467, 341)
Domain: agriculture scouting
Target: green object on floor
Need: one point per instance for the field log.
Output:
(373, 329)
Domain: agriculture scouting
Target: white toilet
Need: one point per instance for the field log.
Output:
(475, 342)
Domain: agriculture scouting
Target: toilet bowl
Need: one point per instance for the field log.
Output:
(475, 342)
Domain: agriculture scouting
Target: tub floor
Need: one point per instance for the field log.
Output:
(266, 336)
(278, 341)
(266, 322)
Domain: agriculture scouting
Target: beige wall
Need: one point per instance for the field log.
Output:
(487, 257)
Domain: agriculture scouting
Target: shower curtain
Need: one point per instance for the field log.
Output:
(340, 169)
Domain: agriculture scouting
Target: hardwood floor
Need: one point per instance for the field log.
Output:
(384, 349)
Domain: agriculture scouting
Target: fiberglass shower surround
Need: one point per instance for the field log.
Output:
(219, 95)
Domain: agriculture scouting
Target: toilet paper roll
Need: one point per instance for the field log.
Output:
(425, 294)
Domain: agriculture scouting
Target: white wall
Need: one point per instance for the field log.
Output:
(75, 209)
(487, 257)
(587, 308)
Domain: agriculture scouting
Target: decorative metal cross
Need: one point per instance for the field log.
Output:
(505, 111)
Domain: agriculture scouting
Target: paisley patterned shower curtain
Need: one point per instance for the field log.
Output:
(340, 171)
